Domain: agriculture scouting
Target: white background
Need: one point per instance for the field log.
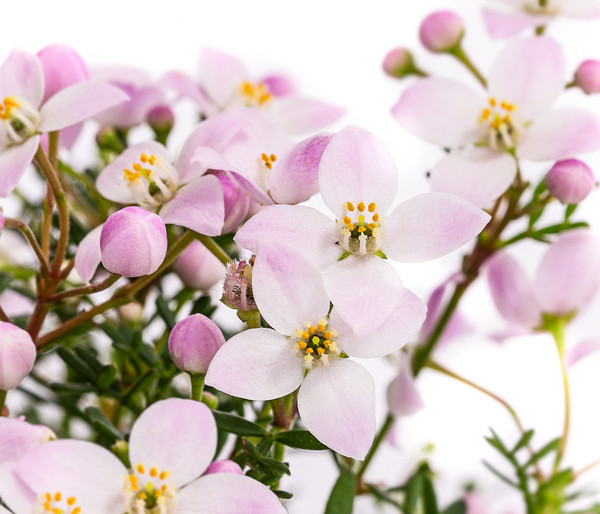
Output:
(333, 51)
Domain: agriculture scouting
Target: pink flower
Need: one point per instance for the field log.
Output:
(306, 350)
(225, 82)
(171, 445)
(514, 16)
(587, 76)
(17, 355)
(525, 80)
(570, 181)
(358, 182)
(441, 31)
(24, 114)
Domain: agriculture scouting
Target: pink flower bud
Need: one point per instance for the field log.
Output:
(198, 268)
(570, 181)
(587, 76)
(17, 355)
(63, 67)
(133, 242)
(237, 202)
(441, 31)
(398, 63)
(193, 343)
(223, 466)
(237, 288)
(161, 118)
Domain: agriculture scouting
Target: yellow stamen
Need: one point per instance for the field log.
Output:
(320, 351)
(309, 350)
(372, 207)
(264, 157)
(361, 229)
(350, 227)
(372, 226)
(143, 496)
(320, 327)
(305, 335)
(48, 497)
(71, 501)
(57, 496)
(137, 167)
(47, 507)
(273, 157)
(153, 472)
(140, 469)
(347, 221)
(269, 165)
(328, 334)
(311, 330)
(163, 489)
(361, 206)
(302, 345)
(493, 102)
(163, 475)
(144, 158)
(152, 160)
(326, 343)
(76, 510)
(485, 115)
(375, 217)
(349, 206)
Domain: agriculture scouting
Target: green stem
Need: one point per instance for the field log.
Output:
(197, 380)
(92, 288)
(2, 400)
(29, 235)
(460, 54)
(374, 447)
(214, 248)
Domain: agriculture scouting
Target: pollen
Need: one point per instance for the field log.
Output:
(361, 206)
(255, 95)
(311, 330)
(502, 127)
(317, 346)
(140, 469)
(349, 206)
(358, 231)
(268, 160)
(153, 472)
(372, 207)
(320, 327)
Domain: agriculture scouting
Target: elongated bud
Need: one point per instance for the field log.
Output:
(193, 343)
(17, 355)
(441, 31)
(238, 286)
(133, 242)
(570, 181)
(224, 466)
(587, 76)
(63, 67)
(399, 63)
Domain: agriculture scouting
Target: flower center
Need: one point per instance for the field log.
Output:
(57, 503)
(152, 182)
(502, 127)
(18, 121)
(254, 95)
(316, 344)
(359, 230)
(537, 7)
(237, 288)
(268, 160)
(149, 491)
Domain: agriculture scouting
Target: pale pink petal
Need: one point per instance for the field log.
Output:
(504, 25)
(198, 206)
(257, 364)
(227, 493)
(13, 163)
(561, 133)
(512, 331)
(298, 226)
(337, 405)
(63, 67)
(186, 87)
(403, 397)
(279, 85)
(174, 435)
(20, 437)
(76, 468)
(134, 111)
(253, 191)
(299, 115)
(569, 272)
(431, 225)
(296, 178)
(529, 73)
(356, 166)
(78, 103)
(22, 76)
(580, 8)
(14, 492)
(442, 111)
(478, 175)
(581, 350)
(112, 183)
(400, 327)
(512, 291)
(221, 75)
(364, 291)
(88, 255)
(288, 288)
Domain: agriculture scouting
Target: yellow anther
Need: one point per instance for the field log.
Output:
(140, 469)
(311, 330)
(76, 510)
(48, 497)
(320, 327)
(485, 115)
(131, 176)
(137, 167)
(328, 334)
(315, 340)
(264, 157)
(372, 206)
(361, 229)
(265, 97)
(273, 157)
(144, 158)
(247, 88)
(143, 495)
(163, 475)
(350, 227)
(361, 206)
(163, 489)
(56, 510)
(305, 335)
(372, 226)
(302, 345)
(347, 221)
(507, 118)
(320, 351)
(509, 107)
(71, 501)
(493, 102)
(152, 160)
(57, 497)
(326, 343)
(375, 217)
(47, 507)
(349, 206)
(269, 165)
(309, 350)
(153, 472)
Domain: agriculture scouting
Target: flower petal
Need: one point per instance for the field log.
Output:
(477, 174)
(20, 437)
(198, 206)
(14, 492)
(356, 166)
(441, 111)
(78, 103)
(226, 493)
(431, 225)
(174, 435)
(580, 8)
(257, 364)
(13, 163)
(403, 397)
(186, 87)
(88, 255)
(23, 77)
(222, 75)
(504, 25)
(581, 350)
(337, 405)
(299, 115)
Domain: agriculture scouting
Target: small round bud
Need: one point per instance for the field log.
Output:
(441, 31)
(63, 67)
(587, 76)
(17, 355)
(224, 466)
(570, 181)
(398, 63)
(132, 311)
(133, 242)
(198, 268)
(161, 118)
(237, 288)
(193, 343)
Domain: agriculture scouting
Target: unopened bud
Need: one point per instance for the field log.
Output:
(161, 120)
(570, 181)
(399, 63)
(198, 268)
(238, 286)
(224, 466)
(587, 76)
(17, 355)
(441, 31)
(131, 311)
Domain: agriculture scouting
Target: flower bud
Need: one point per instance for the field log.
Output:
(223, 466)
(132, 311)
(570, 181)
(63, 67)
(133, 242)
(238, 286)
(198, 268)
(237, 202)
(161, 120)
(193, 343)
(399, 63)
(441, 31)
(587, 76)
(17, 355)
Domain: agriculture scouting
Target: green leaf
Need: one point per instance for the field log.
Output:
(78, 365)
(569, 210)
(106, 376)
(237, 425)
(501, 476)
(284, 495)
(102, 424)
(551, 446)
(341, 498)
(429, 499)
(274, 466)
(164, 311)
(524, 441)
(5, 280)
(495, 441)
(203, 306)
(301, 439)
(414, 489)
(69, 388)
(458, 507)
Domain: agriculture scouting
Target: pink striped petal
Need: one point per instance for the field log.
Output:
(88, 255)
(299, 115)
(21, 75)
(13, 163)
(337, 405)
(431, 225)
(256, 364)
(504, 25)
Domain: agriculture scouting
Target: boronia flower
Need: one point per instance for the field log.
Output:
(171, 445)
(358, 182)
(513, 118)
(307, 348)
(24, 114)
